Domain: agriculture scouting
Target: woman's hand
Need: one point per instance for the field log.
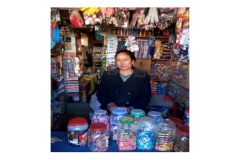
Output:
(111, 106)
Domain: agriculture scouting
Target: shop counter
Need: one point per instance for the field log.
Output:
(63, 145)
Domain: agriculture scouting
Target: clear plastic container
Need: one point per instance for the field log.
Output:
(101, 116)
(98, 137)
(126, 134)
(145, 133)
(136, 114)
(164, 136)
(156, 116)
(77, 131)
(115, 116)
(181, 143)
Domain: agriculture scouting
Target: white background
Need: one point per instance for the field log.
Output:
(25, 79)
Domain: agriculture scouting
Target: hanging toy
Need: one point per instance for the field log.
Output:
(76, 19)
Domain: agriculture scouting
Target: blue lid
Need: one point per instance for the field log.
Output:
(99, 111)
(154, 113)
(119, 111)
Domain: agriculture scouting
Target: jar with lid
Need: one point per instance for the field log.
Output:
(101, 116)
(115, 116)
(98, 137)
(126, 134)
(186, 117)
(181, 143)
(136, 114)
(156, 116)
(145, 133)
(176, 121)
(164, 136)
(77, 131)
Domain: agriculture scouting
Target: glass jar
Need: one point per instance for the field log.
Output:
(156, 116)
(98, 137)
(145, 133)
(115, 116)
(176, 121)
(77, 131)
(136, 114)
(186, 117)
(126, 134)
(181, 143)
(101, 116)
(165, 136)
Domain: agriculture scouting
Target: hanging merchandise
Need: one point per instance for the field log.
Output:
(76, 19)
(167, 17)
(97, 34)
(111, 50)
(55, 35)
(55, 15)
(151, 18)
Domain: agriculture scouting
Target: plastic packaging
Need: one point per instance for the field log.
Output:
(156, 116)
(115, 116)
(98, 137)
(181, 143)
(126, 134)
(145, 133)
(77, 131)
(164, 136)
(101, 116)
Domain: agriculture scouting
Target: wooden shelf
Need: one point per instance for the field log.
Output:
(156, 37)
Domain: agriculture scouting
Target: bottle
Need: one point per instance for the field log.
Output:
(126, 134)
(98, 137)
(156, 116)
(164, 136)
(115, 116)
(101, 116)
(145, 133)
(181, 143)
(159, 88)
(77, 131)
(136, 114)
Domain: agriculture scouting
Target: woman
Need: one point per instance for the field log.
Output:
(125, 86)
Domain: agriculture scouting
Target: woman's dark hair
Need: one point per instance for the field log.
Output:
(131, 54)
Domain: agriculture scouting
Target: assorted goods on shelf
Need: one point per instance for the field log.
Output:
(131, 131)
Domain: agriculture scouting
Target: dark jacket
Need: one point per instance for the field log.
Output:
(134, 92)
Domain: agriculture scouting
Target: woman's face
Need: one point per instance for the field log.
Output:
(123, 61)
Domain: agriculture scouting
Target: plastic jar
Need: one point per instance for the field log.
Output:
(176, 121)
(164, 136)
(181, 143)
(98, 137)
(145, 133)
(115, 116)
(126, 134)
(136, 114)
(101, 116)
(156, 116)
(186, 117)
(77, 131)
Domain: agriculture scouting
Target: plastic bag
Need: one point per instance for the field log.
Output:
(76, 19)
(94, 103)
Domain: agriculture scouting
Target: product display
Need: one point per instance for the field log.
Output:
(98, 137)
(84, 42)
(126, 134)
(165, 136)
(115, 116)
(145, 133)
(101, 116)
(77, 131)
(182, 139)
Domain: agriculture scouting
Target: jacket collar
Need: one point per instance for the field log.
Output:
(136, 72)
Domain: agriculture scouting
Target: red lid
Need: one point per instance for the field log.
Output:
(184, 129)
(176, 121)
(98, 126)
(78, 121)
